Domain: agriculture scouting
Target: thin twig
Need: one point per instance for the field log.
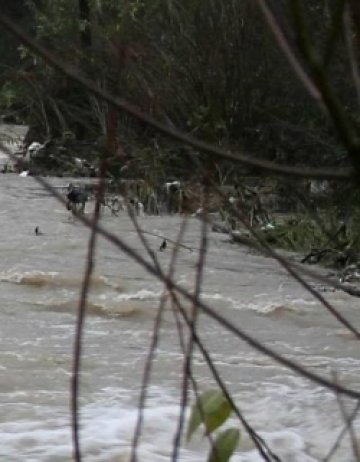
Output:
(288, 267)
(179, 244)
(342, 122)
(253, 244)
(240, 333)
(284, 43)
(174, 302)
(79, 326)
(260, 444)
(190, 348)
(291, 267)
(155, 336)
(342, 434)
(172, 285)
(348, 423)
(176, 309)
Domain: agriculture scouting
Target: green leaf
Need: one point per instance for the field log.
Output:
(211, 409)
(224, 445)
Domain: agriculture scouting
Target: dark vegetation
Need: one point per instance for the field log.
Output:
(210, 68)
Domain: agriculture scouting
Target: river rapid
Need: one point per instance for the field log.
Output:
(40, 281)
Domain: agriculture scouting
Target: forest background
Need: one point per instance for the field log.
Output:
(211, 68)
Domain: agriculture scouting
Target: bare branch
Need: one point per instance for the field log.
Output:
(80, 323)
(343, 433)
(259, 443)
(284, 44)
(187, 372)
(155, 336)
(342, 123)
(171, 285)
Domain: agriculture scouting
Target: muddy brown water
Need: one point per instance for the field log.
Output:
(40, 278)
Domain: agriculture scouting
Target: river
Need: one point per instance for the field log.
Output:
(40, 279)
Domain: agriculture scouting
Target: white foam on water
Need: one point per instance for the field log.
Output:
(302, 301)
(286, 416)
(37, 278)
(263, 306)
(142, 294)
(288, 445)
(219, 297)
(296, 421)
(106, 435)
(20, 277)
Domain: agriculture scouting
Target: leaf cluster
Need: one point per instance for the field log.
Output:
(211, 410)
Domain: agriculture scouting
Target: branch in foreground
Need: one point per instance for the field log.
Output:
(189, 350)
(80, 324)
(155, 336)
(173, 286)
(319, 85)
(240, 333)
(259, 443)
(343, 433)
(267, 250)
(286, 48)
(252, 244)
(221, 320)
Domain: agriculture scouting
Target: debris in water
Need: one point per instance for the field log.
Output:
(37, 231)
(163, 245)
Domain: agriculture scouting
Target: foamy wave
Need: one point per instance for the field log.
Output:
(98, 309)
(35, 278)
(53, 279)
(286, 444)
(302, 301)
(104, 303)
(264, 308)
(220, 297)
(109, 420)
(106, 435)
(273, 308)
(143, 294)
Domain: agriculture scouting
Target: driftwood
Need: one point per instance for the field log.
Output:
(341, 255)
